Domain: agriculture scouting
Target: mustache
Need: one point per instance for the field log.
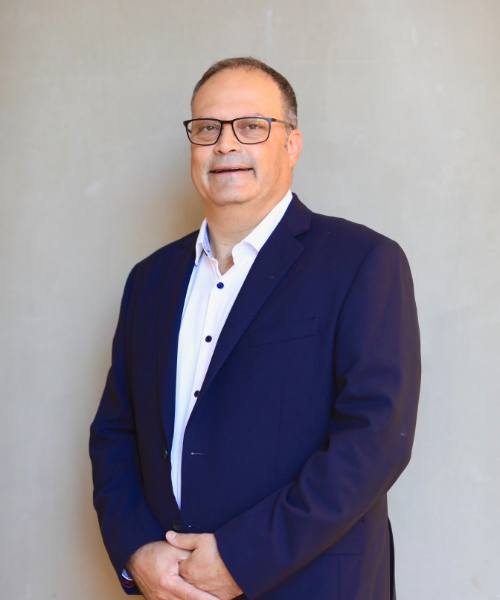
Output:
(231, 161)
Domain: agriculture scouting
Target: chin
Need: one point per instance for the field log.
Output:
(230, 197)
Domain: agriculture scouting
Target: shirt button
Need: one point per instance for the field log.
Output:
(165, 454)
(220, 285)
(208, 338)
(196, 393)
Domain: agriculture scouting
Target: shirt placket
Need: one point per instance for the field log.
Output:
(209, 334)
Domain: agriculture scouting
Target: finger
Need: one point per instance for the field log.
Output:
(182, 554)
(186, 591)
(186, 541)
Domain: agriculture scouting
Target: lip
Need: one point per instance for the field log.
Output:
(229, 169)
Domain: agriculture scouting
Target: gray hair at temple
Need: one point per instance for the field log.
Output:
(253, 64)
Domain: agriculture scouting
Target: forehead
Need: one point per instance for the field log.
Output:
(238, 92)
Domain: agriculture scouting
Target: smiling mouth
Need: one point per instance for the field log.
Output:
(230, 170)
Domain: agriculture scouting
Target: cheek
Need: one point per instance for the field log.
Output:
(271, 164)
(198, 162)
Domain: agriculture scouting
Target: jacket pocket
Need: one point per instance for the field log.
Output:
(281, 331)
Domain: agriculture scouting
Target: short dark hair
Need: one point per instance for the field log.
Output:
(253, 64)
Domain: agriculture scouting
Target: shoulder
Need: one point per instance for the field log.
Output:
(150, 271)
(167, 253)
(366, 260)
(353, 241)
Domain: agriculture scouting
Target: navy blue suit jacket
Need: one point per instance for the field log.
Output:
(305, 418)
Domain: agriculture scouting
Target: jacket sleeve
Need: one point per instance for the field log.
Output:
(125, 519)
(371, 429)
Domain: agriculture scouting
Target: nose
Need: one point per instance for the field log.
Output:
(227, 141)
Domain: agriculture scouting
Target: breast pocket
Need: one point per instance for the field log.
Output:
(281, 331)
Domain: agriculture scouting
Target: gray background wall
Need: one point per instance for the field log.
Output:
(399, 104)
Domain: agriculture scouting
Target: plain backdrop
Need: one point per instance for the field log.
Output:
(399, 105)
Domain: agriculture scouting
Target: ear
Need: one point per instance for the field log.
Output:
(294, 146)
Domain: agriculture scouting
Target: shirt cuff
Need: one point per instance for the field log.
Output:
(126, 575)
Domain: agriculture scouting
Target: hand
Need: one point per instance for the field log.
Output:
(155, 569)
(204, 568)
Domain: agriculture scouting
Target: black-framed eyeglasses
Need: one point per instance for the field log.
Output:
(247, 130)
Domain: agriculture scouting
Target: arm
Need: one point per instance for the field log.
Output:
(125, 519)
(145, 563)
(377, 375)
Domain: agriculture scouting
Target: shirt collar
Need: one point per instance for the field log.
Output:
(202, 242)
(255, 239)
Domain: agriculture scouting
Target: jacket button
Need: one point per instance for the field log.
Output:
(165, 454)
(176, 524)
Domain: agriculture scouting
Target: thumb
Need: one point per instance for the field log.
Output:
(187, 541)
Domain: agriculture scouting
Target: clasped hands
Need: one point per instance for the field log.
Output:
(187, 566)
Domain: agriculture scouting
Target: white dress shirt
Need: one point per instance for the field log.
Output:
(209, 299)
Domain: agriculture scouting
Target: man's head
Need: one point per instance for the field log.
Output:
(231, 172)
(249, 63)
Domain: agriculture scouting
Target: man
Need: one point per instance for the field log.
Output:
(265, 374)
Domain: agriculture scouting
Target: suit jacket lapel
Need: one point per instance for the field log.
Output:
(170, 305)
(273, 261)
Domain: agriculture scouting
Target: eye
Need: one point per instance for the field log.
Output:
(204, 127)
(254, 124)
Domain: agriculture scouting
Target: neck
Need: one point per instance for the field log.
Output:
(231, 223)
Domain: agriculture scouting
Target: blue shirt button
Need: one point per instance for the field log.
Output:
(196, 393)
(220, 285)
(208, 338)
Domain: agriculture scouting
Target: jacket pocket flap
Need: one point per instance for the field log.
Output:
(280, 331)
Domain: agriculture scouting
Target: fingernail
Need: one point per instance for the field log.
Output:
(171, 535)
